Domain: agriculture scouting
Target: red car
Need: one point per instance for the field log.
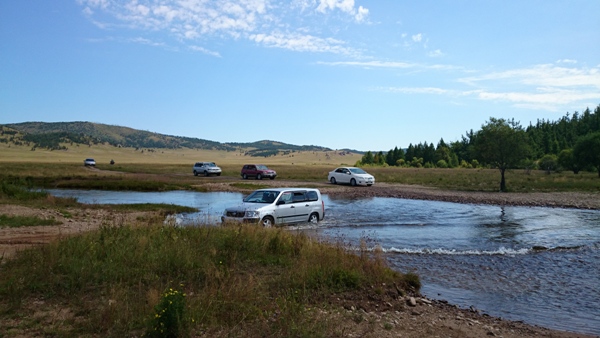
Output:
(259, 171)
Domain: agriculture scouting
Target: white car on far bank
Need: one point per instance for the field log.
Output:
(206, 169)
(351, 175)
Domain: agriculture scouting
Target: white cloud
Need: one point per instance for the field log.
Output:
(346, 6)
(204, 51)
(390, 64)
(547, 87)
(301, 43)
(547, 75)
(435, 53)
(417, 37)
(256, 20)
(567, 61)
(372, 64)
(418, 90)
(361, 14)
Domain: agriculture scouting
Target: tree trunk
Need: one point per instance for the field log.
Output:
(503, 181)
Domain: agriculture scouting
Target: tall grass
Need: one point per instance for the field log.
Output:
(237, 280)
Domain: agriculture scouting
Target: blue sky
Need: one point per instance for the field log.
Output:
(365, 75)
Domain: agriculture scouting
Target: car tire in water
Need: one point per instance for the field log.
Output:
(333, 181)
(353, 182)
(313, 218)
(267, 221)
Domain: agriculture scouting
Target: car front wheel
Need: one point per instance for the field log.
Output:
(333, 181)
(195, 173)
(313, 218)
(206, 173)
(258, 176)
(267, 221)
(244, 176)
(353, 182)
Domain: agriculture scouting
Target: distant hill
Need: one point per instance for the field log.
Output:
(59, 135)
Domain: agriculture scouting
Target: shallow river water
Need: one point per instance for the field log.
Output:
(538, 265)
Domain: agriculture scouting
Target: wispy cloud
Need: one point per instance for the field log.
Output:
(390, 64)
(435, 53)
(204, 51)
(301, 43)
(347, 6)
(198, 20)
(549, 87)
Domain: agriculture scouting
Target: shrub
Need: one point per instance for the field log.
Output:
(168, 318)
(548, 163)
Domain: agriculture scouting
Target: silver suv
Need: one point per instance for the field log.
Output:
(206, 169)
(278, 206)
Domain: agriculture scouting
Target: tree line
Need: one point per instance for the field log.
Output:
(570, 143)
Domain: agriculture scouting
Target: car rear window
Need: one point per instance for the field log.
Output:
(299, 197)
(312, 196)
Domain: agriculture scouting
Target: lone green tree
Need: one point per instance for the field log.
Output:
(587, 151)
(502, 144)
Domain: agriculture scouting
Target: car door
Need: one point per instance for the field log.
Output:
(343, 176)
(301, 206)
(252, 170)
(285, 211)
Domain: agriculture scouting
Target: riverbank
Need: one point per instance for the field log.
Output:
(576, 200)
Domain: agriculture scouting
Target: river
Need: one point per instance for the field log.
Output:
(538, 265)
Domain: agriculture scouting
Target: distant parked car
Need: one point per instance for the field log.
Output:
(278, 206)
(206, 169)
(351, 175)
(259, 171)
(89, 162)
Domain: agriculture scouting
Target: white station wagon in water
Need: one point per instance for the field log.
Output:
(350, 175)
(278, 206)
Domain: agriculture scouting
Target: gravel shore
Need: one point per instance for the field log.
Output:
(576, 200)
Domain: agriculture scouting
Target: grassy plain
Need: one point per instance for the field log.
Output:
(166, 169)
(232, 281)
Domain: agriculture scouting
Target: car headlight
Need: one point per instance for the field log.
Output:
(252, 214)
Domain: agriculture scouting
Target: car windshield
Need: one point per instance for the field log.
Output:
(89, 159)
(211, 164)
(262, 196)
(261, 167)
(357, 171)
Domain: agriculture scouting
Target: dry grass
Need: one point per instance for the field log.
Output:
(104, 153)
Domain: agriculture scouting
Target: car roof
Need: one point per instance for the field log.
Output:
(288, 189)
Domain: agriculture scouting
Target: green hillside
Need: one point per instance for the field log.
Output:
(59, 135)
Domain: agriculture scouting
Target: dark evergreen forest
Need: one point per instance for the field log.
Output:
(552, 145)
